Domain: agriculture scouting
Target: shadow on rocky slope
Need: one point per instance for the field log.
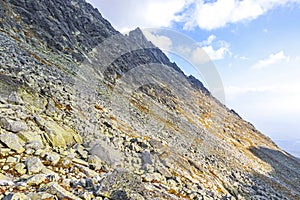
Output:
(285, 172)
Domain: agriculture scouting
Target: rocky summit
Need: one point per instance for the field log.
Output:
(89, 113)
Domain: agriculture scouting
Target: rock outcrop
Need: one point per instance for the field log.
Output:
(88, 113)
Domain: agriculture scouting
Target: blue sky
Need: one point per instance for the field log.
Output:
(254, 45)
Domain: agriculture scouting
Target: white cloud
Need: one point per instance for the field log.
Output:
(207, 50)
(129, 14)
(216, 54)
(216, 50)
(240, 57)
(218, 14)
(195, 56)
(205, 54)
(271, 60)
(161, 41)
(209, 40)
(200, 53)
(199, 56)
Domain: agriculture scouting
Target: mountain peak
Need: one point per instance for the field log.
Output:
(138, 37)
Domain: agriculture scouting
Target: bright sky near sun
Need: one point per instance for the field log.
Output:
(255, 46)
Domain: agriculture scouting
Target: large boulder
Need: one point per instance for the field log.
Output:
(60, 192)
(106, 153)
(12, 142)
(34, 165)
(12, 125)
(58, 135)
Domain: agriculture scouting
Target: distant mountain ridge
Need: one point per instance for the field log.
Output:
(88, 113)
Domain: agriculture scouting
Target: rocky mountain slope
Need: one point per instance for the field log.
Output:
(88, 113)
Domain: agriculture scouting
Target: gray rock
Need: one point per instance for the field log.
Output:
(154, 177)
(80, 162)
(52, 176)
(53, 158)
(66, 162)
(11, 159)
(117, 181)
(146, 157)
(5, 180)
(164, 171)
(13, 126)
(16, 196)
(94, 161)
(5, 167)
(36, 144)
(82, 152)
(56, 134)
(88, 196)
(88, 172)
(106, 153)
(39, 152)
(12, 142)
(36, 179)
(41, 195)
(33, 139)
(50, 108)
(14, 98)
(20, 168)
(3, 101)
(60, 192)
(5, 152)
(29, 151)
(34, 165)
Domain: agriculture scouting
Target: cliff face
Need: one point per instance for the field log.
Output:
(89, 113)
(63, 26)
